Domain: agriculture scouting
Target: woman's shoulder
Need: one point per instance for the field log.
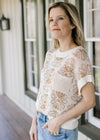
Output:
(51, 50)
(80, 49)
(80, 53)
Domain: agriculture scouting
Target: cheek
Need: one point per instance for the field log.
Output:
(65, 26)
(50, 27)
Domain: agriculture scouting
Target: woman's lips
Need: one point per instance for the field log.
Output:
(55, 29)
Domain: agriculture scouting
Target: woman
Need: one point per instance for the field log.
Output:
(66, 86)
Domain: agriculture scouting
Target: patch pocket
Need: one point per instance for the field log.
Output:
(61, 83)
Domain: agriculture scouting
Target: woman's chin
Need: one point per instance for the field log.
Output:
(55, 37)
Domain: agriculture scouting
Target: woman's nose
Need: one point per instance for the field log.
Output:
(55, 22)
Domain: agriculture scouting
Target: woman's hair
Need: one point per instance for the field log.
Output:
(74, 18)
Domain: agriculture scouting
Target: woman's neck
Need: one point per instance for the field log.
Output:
(66, 44)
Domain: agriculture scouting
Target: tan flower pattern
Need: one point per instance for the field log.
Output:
(83, 70)
(82, 64)
(58, 100)
(67, 68)
(81, 54)
(56, 62)
(55, 98)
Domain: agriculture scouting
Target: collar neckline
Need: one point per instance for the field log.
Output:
(64, 53)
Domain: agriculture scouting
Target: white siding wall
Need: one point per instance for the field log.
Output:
(12, 60)
(0, 60)
(1, 92)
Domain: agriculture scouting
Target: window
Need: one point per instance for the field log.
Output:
(92, 36)
(31, 61)
(96, 67)
(92, 20)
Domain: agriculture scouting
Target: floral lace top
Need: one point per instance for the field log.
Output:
(62, 77)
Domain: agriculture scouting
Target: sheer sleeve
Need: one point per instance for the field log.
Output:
(82, 69)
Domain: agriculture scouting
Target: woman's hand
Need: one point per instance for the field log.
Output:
(53, 126)
(33, 130)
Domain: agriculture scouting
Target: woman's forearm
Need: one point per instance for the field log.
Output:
(74, 112)
(84, 105)
(35, 116)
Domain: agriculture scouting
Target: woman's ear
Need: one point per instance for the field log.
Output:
(72, 26)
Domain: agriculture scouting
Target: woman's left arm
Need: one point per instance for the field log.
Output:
(88, 102)
(83, 73)
(84, 105)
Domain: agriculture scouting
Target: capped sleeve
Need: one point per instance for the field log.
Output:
(82, 69)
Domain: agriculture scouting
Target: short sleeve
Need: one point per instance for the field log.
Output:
(82, 69)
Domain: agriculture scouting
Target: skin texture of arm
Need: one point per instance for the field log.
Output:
(33, 129)
(84, 105)
(34, 117)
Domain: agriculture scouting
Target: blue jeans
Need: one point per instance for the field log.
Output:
(44, 134)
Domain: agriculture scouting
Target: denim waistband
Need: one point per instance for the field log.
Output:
(41, 116)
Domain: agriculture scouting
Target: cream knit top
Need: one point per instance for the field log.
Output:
(62, 77)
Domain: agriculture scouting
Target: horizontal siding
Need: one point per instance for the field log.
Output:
(0, 67)
(0, 57)
(12, 50)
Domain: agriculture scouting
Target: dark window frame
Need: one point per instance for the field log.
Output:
(28, 92)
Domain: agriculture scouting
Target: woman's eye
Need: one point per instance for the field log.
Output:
(61, 18)
(50, 20)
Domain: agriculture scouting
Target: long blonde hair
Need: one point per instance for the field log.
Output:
(74, 17)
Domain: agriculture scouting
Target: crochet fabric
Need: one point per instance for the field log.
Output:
(62, 77)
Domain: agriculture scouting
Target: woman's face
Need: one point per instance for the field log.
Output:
(59, 24)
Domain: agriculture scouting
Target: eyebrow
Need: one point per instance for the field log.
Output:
(58, 16)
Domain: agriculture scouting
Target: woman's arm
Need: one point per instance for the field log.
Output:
(35, 116)
(33, 129)
(84, 105)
